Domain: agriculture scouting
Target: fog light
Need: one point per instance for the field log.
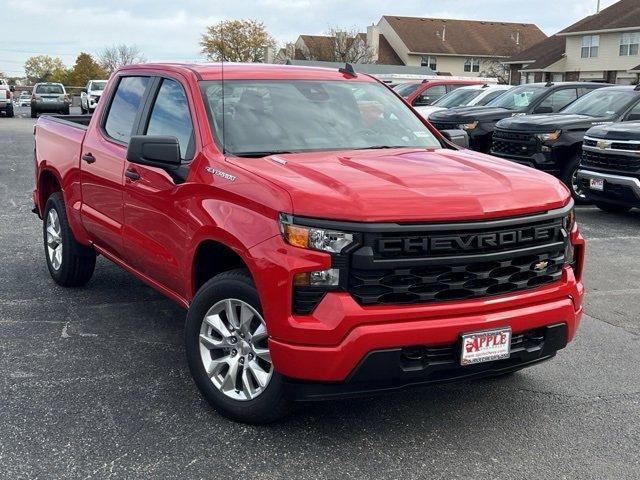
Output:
(320, 278)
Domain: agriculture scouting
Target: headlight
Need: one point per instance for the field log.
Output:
(549, 137)
(570, 221)
(468, 126)
(331, 241)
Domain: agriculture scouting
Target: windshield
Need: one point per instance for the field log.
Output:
(50, 88)
(457, 98)
(98, 86)
(406, 89)
(264, 117)
(519, 97)
(601, 103)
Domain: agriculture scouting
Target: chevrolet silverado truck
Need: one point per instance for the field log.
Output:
(480, 122)
(322, 250)
(609, 172)
(553, 143)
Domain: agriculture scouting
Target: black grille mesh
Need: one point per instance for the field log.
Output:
(604, 161)
(439, 283)
(514, 144)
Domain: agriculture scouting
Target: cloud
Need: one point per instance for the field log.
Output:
(169, 30)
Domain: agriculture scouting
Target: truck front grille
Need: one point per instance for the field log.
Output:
(421, 267)
(445, 125)
(513, 144)
(610, 162)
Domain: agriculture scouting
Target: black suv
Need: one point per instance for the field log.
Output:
(553, 143)
(609, 173)
(479, 122)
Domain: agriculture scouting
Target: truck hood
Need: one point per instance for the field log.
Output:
(616, 131)
(549, 122)
(471, 114)
(408, 185)
(426, 111)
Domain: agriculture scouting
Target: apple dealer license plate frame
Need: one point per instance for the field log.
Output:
(485, 346)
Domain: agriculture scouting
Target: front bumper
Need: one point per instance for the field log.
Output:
(619, 189)
(545, 162)
(329, 344)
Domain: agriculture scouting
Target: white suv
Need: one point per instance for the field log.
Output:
(467, 96)
(6, 98)
(91, 94)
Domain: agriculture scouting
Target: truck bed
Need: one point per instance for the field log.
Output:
(77, 121)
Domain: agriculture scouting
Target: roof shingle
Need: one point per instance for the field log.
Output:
(542, 54)
(623, 14)
(465, 37)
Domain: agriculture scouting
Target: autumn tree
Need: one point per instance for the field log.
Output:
(495, 69)
(85, 69)
(237, 41)
(340, 45)
(43, 68)
(116, 56)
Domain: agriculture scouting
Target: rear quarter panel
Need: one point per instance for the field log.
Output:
(57, 151)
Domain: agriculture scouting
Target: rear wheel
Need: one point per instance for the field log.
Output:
(10, 111)
(612, 207)
(70, 263)
(228, 352)
(34, 113)
(570, 179)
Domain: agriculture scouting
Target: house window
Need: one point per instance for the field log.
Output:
(629, 43)
(590, 44)
(431, 62)
(472, 65)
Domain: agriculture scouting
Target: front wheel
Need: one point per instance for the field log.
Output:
(612, 207)
(70, 263)
(570, 178)
(227, 349)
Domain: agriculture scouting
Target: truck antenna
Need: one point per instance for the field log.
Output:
(224, 132)
(348, 70)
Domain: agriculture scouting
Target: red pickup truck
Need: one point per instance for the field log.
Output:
(326, 240)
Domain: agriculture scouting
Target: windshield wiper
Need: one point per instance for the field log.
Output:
(381, 147)
(261, 154)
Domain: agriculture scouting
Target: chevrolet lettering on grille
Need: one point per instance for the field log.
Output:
(473, 241)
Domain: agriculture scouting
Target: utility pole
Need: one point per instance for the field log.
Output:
(598, 8)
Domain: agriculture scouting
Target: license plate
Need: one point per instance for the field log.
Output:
(596, 184)
(485, 346)
(49, 99)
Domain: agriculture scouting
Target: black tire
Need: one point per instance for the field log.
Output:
(271, 404)
(568, 177)
(10, 113)
(34, 113)
(78, 262)
(82, 109)
(65, 111)
(612, 207)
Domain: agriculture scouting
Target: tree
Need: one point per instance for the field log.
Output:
(237, 41)
(116, 56)
(85, 69)
(42, 68)
(495, 69)
(339, 45)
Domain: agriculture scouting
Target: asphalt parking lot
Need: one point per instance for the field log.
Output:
(94, 383)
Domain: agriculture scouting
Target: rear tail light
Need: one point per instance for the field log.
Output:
(33, 98)
(8, 94)
(66, 98)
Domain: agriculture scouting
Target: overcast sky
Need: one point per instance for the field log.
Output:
(170, 30)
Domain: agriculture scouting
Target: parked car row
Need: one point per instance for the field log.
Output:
(50, 97)
(546, 126)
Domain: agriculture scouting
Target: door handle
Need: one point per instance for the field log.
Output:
(87, 157)
(132, 175)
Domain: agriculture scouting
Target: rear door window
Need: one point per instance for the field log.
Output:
(430, 95)
(170, 116)
(124, 107)
(560, 99)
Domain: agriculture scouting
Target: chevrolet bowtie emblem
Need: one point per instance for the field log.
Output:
(603, 144)
(540, 266)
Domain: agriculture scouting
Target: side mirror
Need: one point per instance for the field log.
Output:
(12, 88)
(84, 90)
(457, 137)
(421, 101)
(543, 110)
(155, 151)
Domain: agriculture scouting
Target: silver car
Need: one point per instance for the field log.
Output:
(49, 97)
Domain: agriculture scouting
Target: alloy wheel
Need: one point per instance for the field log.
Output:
(234, 349)
(54, 239)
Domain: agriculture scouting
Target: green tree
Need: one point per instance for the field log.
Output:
(237, 41)
(42, 67)
(85, 69)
